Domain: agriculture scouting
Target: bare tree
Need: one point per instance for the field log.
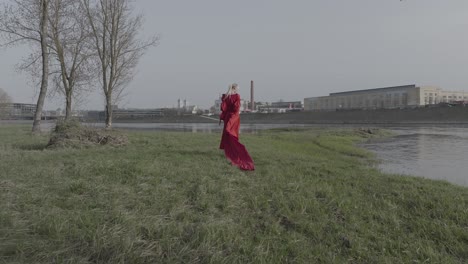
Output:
(5, 100)
(26, 22)
(115, 35)
(70, 36)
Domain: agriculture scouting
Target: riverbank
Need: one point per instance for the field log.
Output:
(429, 115)
(172, 197)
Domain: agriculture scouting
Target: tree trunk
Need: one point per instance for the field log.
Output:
(108, 111)
(45, 68)
(68, 105)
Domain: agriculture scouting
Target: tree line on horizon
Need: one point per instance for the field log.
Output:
(75, 44)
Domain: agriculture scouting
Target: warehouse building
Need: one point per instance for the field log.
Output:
(18, 110)
(384, 98)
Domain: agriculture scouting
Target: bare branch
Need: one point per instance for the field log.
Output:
(118, 50)
(26, 22)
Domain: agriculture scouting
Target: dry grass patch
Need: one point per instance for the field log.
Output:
(71, 134)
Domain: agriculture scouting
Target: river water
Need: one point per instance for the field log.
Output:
(434, 152)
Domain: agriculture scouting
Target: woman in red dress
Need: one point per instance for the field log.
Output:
(235, 152)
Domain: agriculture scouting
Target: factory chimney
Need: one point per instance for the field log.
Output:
(252, 102)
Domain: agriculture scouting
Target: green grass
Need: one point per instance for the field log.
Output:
(173, 198)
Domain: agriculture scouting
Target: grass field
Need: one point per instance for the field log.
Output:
(173, 198)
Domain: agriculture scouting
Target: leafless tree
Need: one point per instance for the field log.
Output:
(115, 36)
(70, 45)
(5, 100)
(26, 22)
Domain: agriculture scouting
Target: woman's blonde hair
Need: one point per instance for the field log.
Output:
(232, 89)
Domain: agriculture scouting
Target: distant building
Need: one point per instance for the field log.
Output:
(95, 115)
(19, 111)
(384, 98)
(216, 108)
(134, 113)
(54, 114)
(244, 106)
(287, 105)
(279, 107)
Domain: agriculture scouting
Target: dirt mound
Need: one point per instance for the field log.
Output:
(72, 134)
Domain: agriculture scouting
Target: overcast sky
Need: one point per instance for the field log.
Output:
(291, 49)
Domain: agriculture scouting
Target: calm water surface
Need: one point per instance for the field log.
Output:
(435, 152)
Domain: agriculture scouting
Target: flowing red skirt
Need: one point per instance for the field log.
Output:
(234, 151)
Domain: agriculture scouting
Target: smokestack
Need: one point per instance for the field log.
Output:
(252, 102)
(185, 104)
(178, 103)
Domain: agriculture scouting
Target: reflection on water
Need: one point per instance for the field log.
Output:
(430, 152)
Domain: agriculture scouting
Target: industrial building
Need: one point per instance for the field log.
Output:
(280, 107)
(19, 110)
(384, 98)
(135, 113)
(127, 114)
(262, 107)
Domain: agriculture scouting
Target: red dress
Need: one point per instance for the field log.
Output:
(235, 152)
